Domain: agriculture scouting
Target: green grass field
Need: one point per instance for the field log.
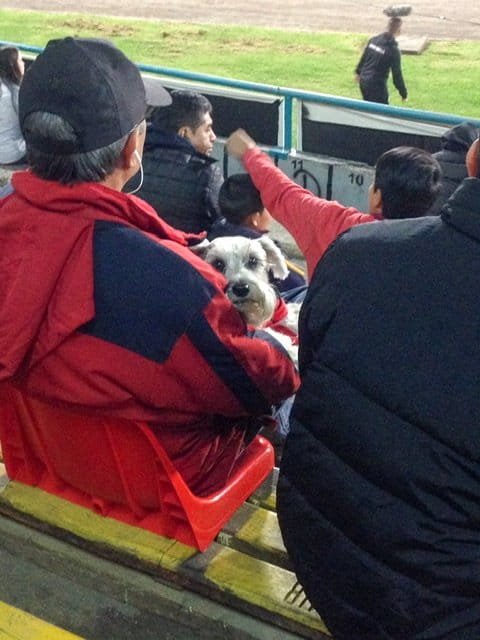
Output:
(441, 79)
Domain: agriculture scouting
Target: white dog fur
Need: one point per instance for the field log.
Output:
(246, 264)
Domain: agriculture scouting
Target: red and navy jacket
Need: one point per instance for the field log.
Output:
(105, 308)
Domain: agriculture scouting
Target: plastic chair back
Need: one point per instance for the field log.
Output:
(118, 468)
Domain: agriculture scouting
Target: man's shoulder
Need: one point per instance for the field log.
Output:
(363, 253)
(369, 241)
(393, 229)
(128, 255)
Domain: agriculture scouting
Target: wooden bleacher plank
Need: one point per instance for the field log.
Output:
(51, 513)
(104, 600)
(16, 624)
(263, 589)
(266, 494)
(225, 575)
(254, 530)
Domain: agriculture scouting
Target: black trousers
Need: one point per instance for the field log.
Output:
(374, 91)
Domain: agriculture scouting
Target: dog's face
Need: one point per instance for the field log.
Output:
(246, 263)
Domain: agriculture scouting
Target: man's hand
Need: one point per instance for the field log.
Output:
(239, 143)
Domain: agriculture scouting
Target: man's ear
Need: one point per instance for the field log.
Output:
(472, 160)
(128, 158)
(376, 202)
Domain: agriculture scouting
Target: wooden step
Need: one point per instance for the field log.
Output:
(250, 575)
(16, 624)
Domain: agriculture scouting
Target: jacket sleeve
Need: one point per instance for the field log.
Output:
(397, 73)
(216, 365)
(313, 222)
(359, 66)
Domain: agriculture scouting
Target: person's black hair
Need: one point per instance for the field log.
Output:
(188, 109)
(9, 71)
(90, 166)
(239, 198)
(409, 179)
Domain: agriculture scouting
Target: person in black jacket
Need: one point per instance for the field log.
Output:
(379, 56)
(451, 157)
(181, 181)
(378, 495)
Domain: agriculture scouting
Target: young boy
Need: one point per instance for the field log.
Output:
(243, 214)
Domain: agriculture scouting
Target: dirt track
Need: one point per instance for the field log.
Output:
(436, 19)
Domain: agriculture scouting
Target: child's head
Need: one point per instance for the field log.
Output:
(407, 182)
(240, 203)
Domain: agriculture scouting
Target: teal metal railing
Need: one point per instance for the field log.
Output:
(289, 95)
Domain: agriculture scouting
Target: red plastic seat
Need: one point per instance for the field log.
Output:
(118, 468)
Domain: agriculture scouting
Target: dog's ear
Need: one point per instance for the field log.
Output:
(201, 249)
(276, 260)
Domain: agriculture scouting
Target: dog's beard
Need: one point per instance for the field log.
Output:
(256, 311)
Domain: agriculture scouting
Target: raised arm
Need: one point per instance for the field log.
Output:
(313, 221)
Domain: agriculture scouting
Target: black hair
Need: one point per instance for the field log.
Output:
(239, 198)
(90, 166)
(9, 71)
(187, 109)
(409, 179)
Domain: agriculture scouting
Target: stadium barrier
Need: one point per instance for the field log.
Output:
(329, 144)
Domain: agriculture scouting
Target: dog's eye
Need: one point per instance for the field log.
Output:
(219, 265)
(252, 262)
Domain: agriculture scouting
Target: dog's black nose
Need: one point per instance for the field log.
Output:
(241, 289)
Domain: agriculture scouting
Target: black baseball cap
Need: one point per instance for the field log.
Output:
(93, 86)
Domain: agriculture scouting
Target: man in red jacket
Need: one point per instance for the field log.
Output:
(103, 305)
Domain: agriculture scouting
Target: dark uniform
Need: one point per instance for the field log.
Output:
(380, 55)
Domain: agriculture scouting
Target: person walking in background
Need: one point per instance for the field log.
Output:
(12, 144)
(181, 180)
(379, 56)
